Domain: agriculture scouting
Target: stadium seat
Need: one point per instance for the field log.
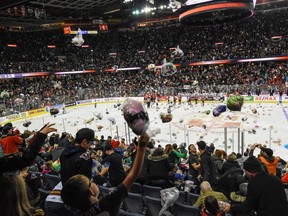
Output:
(153, 205)
(136, 188)
(133, 203)
(38, 174)
(43, 195)
(151, 191)
(124, 213)
(192, 198)
(51, 180)
(182, 197)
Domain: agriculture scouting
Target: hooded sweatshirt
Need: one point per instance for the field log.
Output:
(158, 166)
(75, 160)
(271, 163)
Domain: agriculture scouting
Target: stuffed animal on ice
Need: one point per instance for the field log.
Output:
(207, 112)
(26, 124)
(177, 53)
(117, 104)
(78, 39)
(155, 132)
(136, 116)
(88, 121)
(112, 120)
(99, 127)
(166, 117)
(235, 102)
(168, 68)
(218, 110)
(98, 116)
(254, 111)
(54, 111)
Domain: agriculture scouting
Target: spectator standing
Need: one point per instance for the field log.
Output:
(10, 142)
(269, 160)
(208, 172)
(12, 163)
(218, 161)
(194, 165)
(112, 164)
(81, 195)
(75, 159)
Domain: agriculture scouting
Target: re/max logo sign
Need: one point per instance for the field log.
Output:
(266, 98)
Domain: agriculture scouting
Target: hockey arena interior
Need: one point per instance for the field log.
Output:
(144, 107)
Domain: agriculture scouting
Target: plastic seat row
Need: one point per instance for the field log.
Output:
(135, 203)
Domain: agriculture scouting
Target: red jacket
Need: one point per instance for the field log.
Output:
(284, 179)
(205, 213)
(10, 144)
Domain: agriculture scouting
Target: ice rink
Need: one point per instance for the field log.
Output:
(189, 124)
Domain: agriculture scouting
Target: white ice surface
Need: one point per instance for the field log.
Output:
(269, 118)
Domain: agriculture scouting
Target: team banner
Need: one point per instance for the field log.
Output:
(266, 98)
(36, 112)
(17, 116)
(248, 98)
(70, 104)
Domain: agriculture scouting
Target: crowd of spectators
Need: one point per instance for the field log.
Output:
(247, 38)
(244, 39)
(68, 175)
(31, 93)
(218, 176)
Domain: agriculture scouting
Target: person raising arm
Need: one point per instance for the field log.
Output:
(81, 195)
(11, 162)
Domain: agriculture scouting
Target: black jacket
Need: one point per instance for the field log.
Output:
(265, 195)
(143, 176)
(208, 170)
(228, 182)
(158, 167)
(229, 164)
(11, 163)
(116, 169)
(75, 160)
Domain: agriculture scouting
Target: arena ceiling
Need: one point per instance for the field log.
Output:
(14, 12)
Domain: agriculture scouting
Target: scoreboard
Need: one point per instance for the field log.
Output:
(212, 12)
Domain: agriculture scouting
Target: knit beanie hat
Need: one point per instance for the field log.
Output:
(252, 164)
